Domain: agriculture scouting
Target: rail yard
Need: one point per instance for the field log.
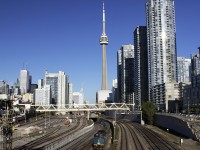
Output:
(135, 136)
(77, 133)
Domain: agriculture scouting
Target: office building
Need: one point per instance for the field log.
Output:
(29, 84)
(24, 81)
(191, 97)
(191, 94)
(43, 95)
(195, 64)
(161, 44)
(183, 86)
(4, 88)
(40, 83)
(33, 87)
(184, 69)
(16, 90)
(125, 74)
(114, 91)
(78, 97)
(70, 87)
(140, 66)
(59, 87)
(2, 84)
(119, 75)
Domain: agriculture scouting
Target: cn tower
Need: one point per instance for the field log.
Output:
(104, 42)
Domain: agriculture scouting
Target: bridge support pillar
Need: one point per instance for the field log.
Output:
(88, 115)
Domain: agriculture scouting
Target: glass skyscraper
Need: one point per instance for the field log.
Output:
(59, 87)
(141, 67)
(125, 74)
(161, 43)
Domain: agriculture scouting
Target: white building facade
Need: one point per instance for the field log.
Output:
(59, 87)
(70, 86)
(43, 96)
(114, 91)
(24, 81)
(40, 83)
(78, 97)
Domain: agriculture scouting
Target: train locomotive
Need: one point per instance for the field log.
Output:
(99, 140)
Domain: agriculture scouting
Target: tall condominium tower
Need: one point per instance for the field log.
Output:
(184, 69)
(161, 43)
(104, 42)
(140, 66)
(24, 81)
(125, 74)
(119, 76)
(59, 87)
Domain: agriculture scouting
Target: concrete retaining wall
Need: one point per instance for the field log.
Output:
(176, 124)
(133, 116)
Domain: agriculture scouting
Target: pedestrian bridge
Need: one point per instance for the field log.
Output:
(84, 107)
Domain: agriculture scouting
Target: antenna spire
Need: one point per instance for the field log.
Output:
(104, 20)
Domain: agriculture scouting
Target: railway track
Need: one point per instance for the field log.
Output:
(135, 136)
(39, 123)
(84, 142)
(50, 137)
(154, 140)
(129, 138)
(32, 144)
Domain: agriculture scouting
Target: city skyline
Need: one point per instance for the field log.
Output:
(46, 35)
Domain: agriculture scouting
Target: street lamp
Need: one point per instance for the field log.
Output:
(167, 132)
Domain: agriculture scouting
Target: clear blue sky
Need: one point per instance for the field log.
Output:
(64, 35)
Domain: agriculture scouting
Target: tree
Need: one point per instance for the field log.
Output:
(148, 112)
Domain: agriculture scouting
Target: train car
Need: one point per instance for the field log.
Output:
(98, 142)
(18, 119)
(102, 132)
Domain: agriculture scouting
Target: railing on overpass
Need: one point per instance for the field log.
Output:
(85, 107)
